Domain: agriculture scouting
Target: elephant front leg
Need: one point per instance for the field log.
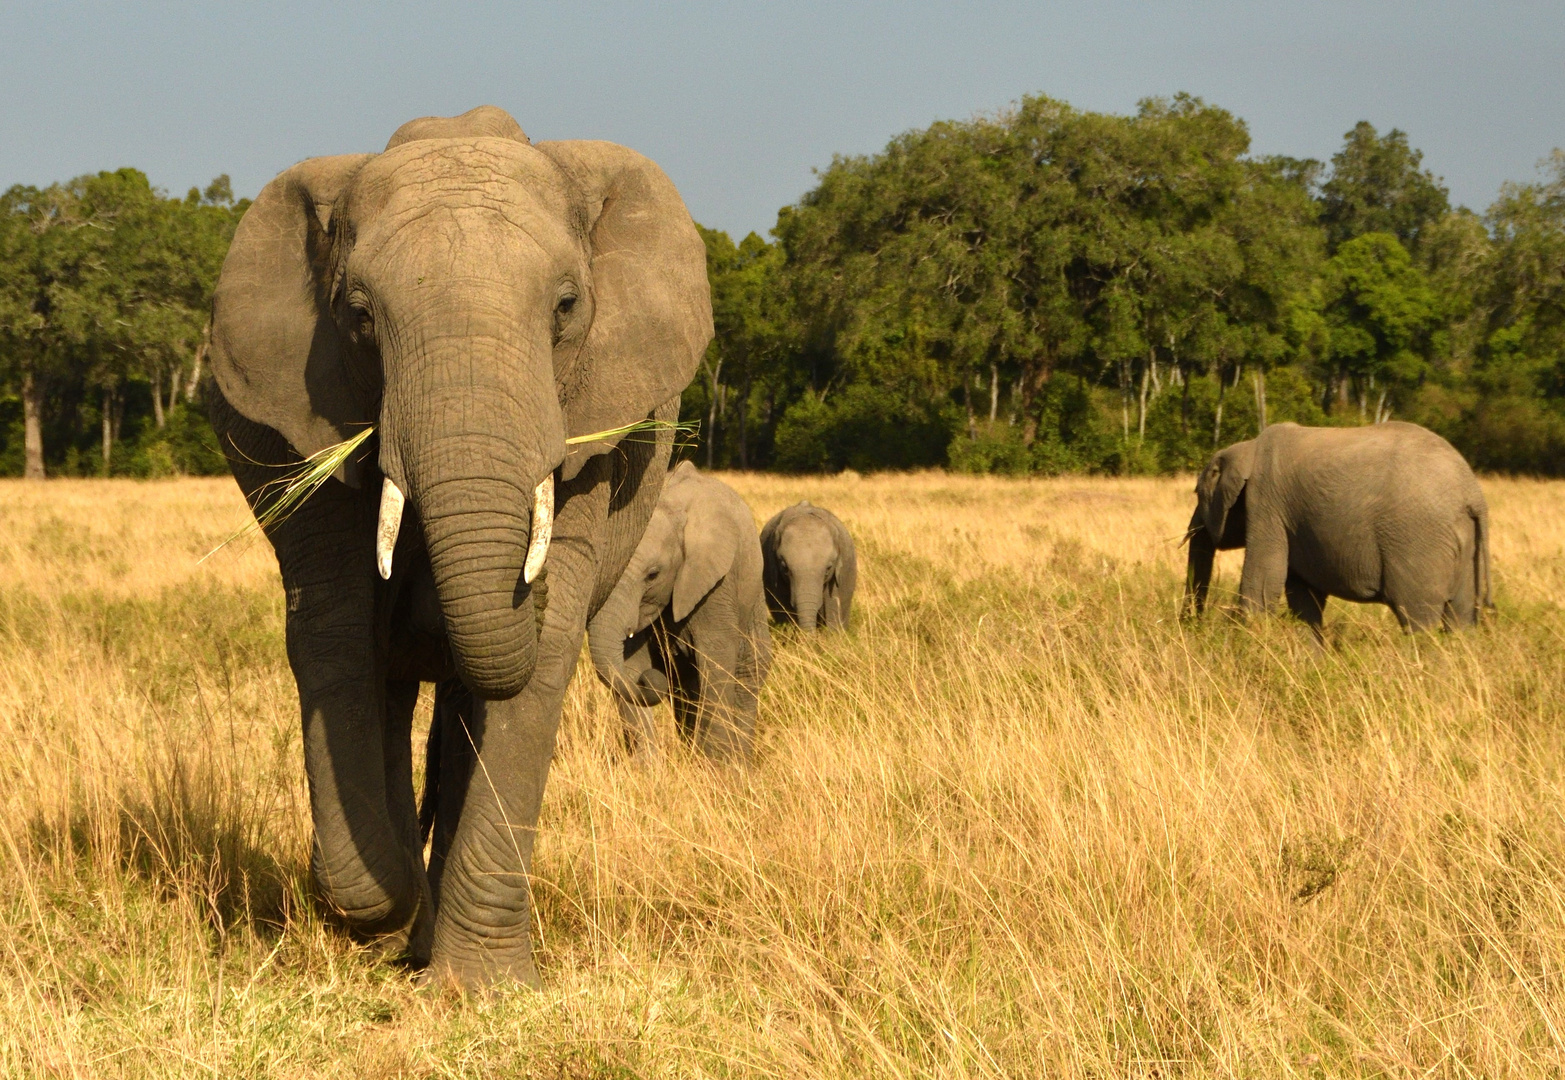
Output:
(725, 715)
(483, 921)
(638, 726)
(1264, 579)
(1308, 604)
(832, 609)
(448, 767)
(361, 859)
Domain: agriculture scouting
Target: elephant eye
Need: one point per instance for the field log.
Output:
(363, 322)
(652, 575)
(565, 305)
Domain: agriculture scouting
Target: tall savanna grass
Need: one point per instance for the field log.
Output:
(1020, 821)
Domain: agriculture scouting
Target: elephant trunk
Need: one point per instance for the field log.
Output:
(1198, 569)
(808, 595)
(606, 637)
(469, 456)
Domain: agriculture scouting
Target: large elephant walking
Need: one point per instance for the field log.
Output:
(480, 300)
(1389, 514)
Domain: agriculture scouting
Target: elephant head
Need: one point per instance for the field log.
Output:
(807, 554)
(1219, 520)
(689, 546)
(480, 300)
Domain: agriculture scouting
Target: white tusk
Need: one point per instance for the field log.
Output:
(543, 526)
(391, 500)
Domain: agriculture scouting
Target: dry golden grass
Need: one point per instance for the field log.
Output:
(1019, 822)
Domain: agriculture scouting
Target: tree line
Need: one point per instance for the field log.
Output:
(1040, 290)
(105, 291)
(1048, 290)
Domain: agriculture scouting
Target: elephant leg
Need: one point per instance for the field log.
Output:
(1417, 589)
(725, 712)
(831, 610)
(685, 693)
(401, 700)
(1461, 609)
(362, 866)
(638, 726)
(452, 756)
(1307, 603)
(1264, 579)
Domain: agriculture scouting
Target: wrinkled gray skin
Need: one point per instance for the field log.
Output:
(810, 570)
(479, 300)
(1388, 514)
(688, 621)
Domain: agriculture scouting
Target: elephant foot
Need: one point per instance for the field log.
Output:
(404, 935)
(406, 946)
(476, 975)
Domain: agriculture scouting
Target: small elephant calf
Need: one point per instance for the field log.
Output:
(1388, 514)
(687, 621)
(810, 570)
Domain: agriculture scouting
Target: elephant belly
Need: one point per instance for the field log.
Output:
(1348, 568)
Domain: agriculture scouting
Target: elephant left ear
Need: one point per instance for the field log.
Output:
(652, 316)
(711, 545)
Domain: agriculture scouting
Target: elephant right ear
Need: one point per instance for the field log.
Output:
(276, 352)
(652, 315)
(712, 539)
(1234, 465)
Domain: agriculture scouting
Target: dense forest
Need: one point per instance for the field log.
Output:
(1041, 290)
(1051, 290)
(105, 289)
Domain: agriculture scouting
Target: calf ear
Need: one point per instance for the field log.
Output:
(276, 352)
(711, 545)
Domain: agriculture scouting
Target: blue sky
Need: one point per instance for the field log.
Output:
(739, 102)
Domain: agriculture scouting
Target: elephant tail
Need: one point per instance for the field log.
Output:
(1482, 602)
(431, 797)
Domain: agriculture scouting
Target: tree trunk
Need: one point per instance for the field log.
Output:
(1141, 419)
(1124, 401)
(713, 374)
(32, 426)
(195, 367)
(994, 392)
(744, 425)
(967, 403)
(1259, 379)
(1217, 422)
(1184, 403)
(157, 396)
(173, 390)
(1034, 375)
(108, 429)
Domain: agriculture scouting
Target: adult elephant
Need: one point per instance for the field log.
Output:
(1389, 513)
(484, 303)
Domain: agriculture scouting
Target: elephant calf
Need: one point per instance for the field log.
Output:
(810, 567)
(687, 621)
(1386, 514)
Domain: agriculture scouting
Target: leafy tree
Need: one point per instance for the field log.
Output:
(1377, 185)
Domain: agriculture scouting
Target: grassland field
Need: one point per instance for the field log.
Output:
(1020, 821)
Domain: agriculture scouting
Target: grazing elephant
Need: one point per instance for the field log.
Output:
(1388, 514)
(500, 312)
(810, 567)
(688, 621)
